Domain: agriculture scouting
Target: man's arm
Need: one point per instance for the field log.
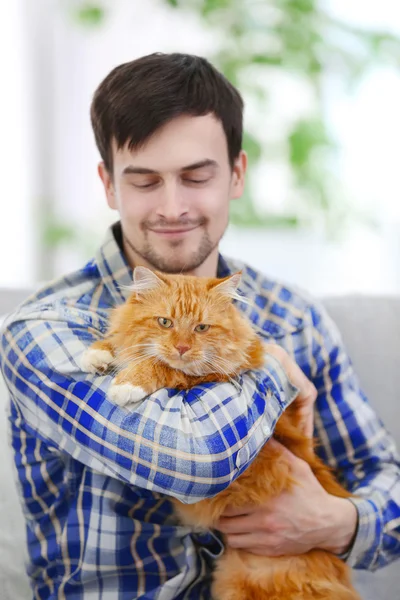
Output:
(355, 442)
(366, 529)
(190, 445)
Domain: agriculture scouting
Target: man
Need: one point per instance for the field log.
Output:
(95, 478)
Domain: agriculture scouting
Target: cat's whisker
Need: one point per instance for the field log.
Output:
(228, 366)
(216, 366)
(119, 362)
(132, 367)
(128, 356)
(132, 355)
(130, 361)
(221, 362)
(136, 348)
(156, 359)
(197, 367)
(232, 380)
(129, 366)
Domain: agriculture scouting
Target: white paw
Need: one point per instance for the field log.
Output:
(125, 393)
(94, 360)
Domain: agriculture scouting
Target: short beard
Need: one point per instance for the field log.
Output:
(174, 265)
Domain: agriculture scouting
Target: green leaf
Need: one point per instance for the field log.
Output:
(91, 15)
(210, 6)
(302, 6)
(252, 147)
(56, 233)
(306, 136)
(267, 59)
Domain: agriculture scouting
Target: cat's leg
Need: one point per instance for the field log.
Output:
(98, 357)
(133, 383)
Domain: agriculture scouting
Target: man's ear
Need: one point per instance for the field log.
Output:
(108, 185)
(238, 175)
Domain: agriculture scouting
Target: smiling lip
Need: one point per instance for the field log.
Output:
(173, 231)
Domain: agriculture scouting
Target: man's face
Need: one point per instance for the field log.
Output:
(173, 194)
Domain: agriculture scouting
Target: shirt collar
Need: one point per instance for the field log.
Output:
(115, 271)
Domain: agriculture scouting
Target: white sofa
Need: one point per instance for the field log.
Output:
(371, 331)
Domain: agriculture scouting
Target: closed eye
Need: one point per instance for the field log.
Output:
(195, 181)
(146, 185)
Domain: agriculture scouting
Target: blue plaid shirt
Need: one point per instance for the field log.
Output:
(94, 478)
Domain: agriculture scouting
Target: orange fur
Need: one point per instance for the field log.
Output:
(229, 347)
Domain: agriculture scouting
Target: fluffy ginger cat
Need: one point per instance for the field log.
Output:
(179, 331)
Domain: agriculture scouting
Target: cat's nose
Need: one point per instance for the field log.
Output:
(182, 349)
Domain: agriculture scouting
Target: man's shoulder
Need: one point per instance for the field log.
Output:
(276, 308)
(79, 297)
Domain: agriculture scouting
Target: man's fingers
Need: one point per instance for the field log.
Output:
(285, 452)
(236, 525)
(232, 511)
(293, 371)
(307, 394)
(276, 445)
(245, 540)
(297, 465)
(256, 543)
(308, 426)
(263, 551)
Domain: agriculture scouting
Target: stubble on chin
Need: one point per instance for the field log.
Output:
(174, 261)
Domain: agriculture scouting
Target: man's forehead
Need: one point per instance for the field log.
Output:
(179, 143)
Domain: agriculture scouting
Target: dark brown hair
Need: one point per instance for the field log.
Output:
(139, 97)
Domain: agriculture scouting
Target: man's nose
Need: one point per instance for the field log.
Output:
(172, 204)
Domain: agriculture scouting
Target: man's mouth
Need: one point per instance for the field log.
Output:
(172, 232)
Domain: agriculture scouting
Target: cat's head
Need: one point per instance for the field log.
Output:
(187, 322)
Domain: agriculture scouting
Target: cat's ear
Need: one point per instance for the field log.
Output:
(144, 280)
(228, 286)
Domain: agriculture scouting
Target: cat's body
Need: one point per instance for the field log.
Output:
(166, 318)
(240, 575)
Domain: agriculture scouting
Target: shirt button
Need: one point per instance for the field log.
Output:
(242, 457)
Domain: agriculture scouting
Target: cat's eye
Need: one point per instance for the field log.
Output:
(166, 323)
(202, 328)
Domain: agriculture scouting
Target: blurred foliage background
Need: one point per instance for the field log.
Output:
(256, 42)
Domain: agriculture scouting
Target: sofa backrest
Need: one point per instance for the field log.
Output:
(370, 327)
(13, 580)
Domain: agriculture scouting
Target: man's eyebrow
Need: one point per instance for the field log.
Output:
(199, 165)
(130, 170)
(137, 170)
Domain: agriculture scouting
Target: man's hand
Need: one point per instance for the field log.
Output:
(307, 392)
(293, 523)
